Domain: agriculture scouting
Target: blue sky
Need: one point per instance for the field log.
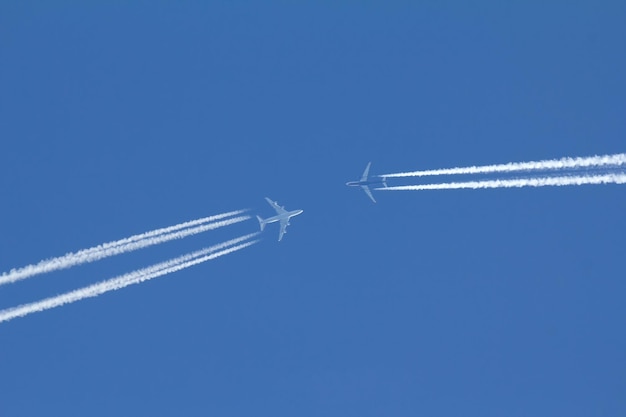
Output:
(121, 118)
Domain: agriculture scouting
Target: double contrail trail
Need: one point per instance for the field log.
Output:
(619, 178)
(117, 247)
(131, 278)
(616, 160)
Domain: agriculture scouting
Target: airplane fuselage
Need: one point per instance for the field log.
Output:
(365, 183)
(285, 216)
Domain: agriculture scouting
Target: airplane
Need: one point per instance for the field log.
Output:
(282, 216)
(364, 182)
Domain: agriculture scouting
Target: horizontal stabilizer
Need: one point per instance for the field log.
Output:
(261, 222)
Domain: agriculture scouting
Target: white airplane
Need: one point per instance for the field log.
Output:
(365, 182)
(282, 216)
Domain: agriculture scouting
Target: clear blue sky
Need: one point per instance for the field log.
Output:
(120, 118)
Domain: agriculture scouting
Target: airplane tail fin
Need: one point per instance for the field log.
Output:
(261, 222)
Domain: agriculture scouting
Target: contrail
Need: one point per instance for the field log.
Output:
(552, 164)
(517, 183)
(118, 247)
(131, 278)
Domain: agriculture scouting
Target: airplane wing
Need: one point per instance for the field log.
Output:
(275, 206)
(368, 192)
(283, 228)
(366, 173)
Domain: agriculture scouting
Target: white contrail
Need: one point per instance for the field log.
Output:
(518, 182)
(131, 278)
(553, 164)
(111, 249)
